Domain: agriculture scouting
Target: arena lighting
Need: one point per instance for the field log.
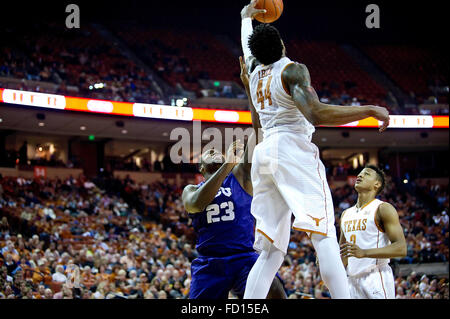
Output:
(61, 102)
(97, 86)
(226, 116)
(100, 106)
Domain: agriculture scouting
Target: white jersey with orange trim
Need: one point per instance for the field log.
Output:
(275, 106)
(288, 176)
(360, 227)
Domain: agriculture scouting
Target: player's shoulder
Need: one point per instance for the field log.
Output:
(292, 64)
(386, 208)
(385, 205)
(346, 210)
(295, 72)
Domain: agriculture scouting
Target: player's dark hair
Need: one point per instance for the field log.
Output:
(265, 44)
(380, 175)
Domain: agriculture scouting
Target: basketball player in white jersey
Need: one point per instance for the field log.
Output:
(371, 234)
(287, 174)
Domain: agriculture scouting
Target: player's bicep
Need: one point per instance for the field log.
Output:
(297, 80)
(391, 223)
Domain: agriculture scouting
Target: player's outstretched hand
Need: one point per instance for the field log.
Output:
(249, 11)
(244, 74)
(352, 250)
(235, 152)
(381, 114)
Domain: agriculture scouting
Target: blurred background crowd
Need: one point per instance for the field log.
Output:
(107, 237)
(133, 240)
(133, 63)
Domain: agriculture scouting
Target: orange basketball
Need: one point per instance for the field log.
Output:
(274, 9)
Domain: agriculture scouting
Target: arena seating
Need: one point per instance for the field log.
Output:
(414, 69)
(120, 246)
(75, 58)
(79, 59)
(328, 64)
(183, 55)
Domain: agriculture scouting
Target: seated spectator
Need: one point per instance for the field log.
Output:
(59, 275)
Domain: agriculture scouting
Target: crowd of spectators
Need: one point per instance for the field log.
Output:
(135, 240)
(81, 59)
(49, 227)
(337, 94)
(84, 63)
(182, 57)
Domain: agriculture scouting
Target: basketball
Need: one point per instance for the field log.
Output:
(274, 9)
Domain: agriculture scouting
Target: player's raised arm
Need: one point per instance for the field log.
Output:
(298, 81)
(195, 199)
(247, 14)
(246, 82)
(391, 224)
(243, 169)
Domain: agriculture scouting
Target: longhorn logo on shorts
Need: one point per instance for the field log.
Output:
(317, 220)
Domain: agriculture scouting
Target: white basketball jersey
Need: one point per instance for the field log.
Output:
(360, 227)
(275, 106)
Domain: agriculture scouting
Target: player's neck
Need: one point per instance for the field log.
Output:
(364, 198)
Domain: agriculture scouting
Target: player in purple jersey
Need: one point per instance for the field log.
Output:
(220, 211)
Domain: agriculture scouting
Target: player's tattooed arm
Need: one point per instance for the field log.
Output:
(195, 198)
(298, 81)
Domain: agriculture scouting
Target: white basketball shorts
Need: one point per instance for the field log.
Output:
(376, 284)
(289, 178)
